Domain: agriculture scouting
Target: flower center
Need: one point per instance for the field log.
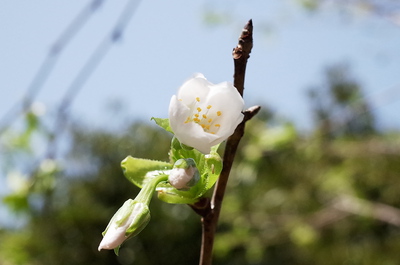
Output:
(205, 116)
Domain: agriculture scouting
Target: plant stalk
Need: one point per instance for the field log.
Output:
(210, 213)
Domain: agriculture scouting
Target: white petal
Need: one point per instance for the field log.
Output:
(116, 232)
(114, 237)
(190, 134)
(197, 86)
(178, 112)
(225, 98)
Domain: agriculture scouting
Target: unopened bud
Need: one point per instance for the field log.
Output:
(184, 174)
(127, 222)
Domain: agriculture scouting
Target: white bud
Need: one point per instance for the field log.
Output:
(127, 222)
(184, 174)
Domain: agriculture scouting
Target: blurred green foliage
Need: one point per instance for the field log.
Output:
(325, 197)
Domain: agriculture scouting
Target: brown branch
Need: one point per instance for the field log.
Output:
(210, 213)
(240, 55)
(345, 205)
(379, 211)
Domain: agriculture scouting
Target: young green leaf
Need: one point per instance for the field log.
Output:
(136, 169)
(163, 123)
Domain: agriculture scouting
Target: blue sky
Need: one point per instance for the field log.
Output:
(167, 41)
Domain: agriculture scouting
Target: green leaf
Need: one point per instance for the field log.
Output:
(163, 123)
(135, 169)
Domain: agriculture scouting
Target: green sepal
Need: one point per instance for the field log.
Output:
(169, 194)
(186, 147)
(179, 151)
(163, 123)
(141, 221)
(116, 250)
(136, 169)
(213, 167)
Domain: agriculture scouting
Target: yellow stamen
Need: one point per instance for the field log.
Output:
(198, 99)
(204, 116)
(210, 120)
(199, 109)
(217, 125)
(209, 107)
(219, 113)
(196, 115)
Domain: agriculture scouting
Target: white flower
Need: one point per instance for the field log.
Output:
(203, 114)
(128, 221)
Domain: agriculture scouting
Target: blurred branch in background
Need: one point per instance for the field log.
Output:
(40, 175)
(379, 211)
(345, 205)
(86, 71)
(78, 83)
(48, 64)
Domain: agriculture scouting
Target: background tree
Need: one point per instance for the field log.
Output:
(339, 106)
(292, 199)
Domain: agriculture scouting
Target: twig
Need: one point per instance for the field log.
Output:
(379, 211)
(210, 213)
(88, 68)
(48, 64)
(78, 82)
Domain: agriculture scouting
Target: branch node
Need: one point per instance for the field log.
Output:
(251, 112)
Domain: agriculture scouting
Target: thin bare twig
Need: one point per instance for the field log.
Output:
(210, 212)
(79, 81)
(379, 211)
(48, 64)
(88, 68)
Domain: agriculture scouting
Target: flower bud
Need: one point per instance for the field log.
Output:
(184, 174)
(127, 222)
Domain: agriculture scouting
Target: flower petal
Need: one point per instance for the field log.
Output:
(198, 86)
(190, 134)
(225, 97)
